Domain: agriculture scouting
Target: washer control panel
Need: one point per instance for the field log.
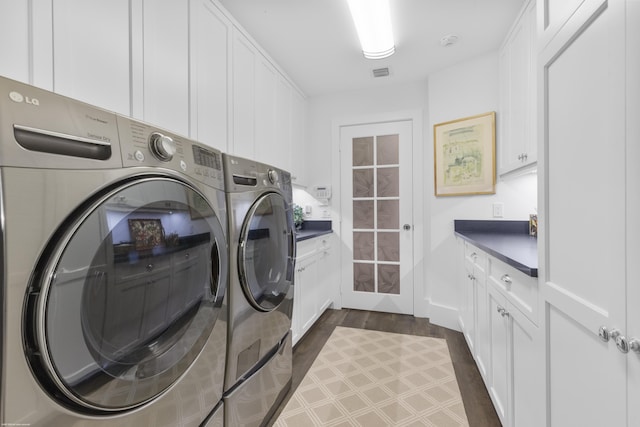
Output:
(145, 145)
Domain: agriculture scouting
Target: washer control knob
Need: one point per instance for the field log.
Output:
(163, 147)
(273, 176)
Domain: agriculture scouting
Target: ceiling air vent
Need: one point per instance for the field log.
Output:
(381, 72)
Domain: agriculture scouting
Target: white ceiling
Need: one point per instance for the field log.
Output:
(315, 43)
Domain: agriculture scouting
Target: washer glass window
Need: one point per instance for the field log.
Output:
(266, 252)
(130, 294)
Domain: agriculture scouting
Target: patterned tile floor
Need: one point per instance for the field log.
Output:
(372, 378)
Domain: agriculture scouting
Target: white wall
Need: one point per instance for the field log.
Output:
(464, 90)
(324, 110)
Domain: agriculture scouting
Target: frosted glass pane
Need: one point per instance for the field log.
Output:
(388, 182)
(388, 214)
(389, 246)
(363, 277)
(363, 246)
(363, 151)
(388, 279)
(387, 150)
(363, 183)
(363, 214)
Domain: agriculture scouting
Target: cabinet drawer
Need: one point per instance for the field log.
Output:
(143, 268)
(520, 289)
(475, 256)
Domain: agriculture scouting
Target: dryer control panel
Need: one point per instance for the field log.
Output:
(146, 145)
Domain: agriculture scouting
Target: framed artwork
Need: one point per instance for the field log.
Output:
(198, 206)
(146, 233)
(465, 156)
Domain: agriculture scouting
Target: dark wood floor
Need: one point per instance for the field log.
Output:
(480, 410)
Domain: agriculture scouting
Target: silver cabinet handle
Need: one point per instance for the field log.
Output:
(474, 255)
(603, 333)
(503, 311)
(634, 345)
(406, 227)
(622, 344)
(506, 279)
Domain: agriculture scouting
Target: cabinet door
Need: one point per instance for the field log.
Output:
(166, 64)
(281, 150)
(327, 274)
(517, 142)
(633, 207)
(583, 269)
(91, 46)
(526, 394)
(266, 78)
(469, 307)
(244, 68)
(210, 47)
(498, 341)
(15, 36)
(304, 306)
(298, 139)
(483, 349)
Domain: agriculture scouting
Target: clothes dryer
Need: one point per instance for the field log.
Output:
(115, 269)
(262, 257)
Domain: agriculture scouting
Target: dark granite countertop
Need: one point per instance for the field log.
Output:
(311, 229)
(509, 241)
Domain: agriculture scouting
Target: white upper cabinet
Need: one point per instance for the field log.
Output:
(517, 116)
(298, 139)
(266, 84)
(91, 59)
(165, 96)
(15, 60)
(283, 109)
(210, 46)
(268, 112)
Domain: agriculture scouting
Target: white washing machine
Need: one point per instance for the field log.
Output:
(262, 257)
(114, 269)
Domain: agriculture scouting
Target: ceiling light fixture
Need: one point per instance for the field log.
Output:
(373, 24)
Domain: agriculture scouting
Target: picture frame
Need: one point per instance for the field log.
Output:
(465, 156)
(198, 206)
(146, 233)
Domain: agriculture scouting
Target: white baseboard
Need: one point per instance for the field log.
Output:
(443, 315)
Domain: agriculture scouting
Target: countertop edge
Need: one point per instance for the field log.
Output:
(306, 235)
(529, 271)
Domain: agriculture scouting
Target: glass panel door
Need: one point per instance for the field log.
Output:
(376, 213)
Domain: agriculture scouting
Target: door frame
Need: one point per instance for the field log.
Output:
(420, 304)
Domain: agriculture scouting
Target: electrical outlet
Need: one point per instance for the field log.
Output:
(498, 210)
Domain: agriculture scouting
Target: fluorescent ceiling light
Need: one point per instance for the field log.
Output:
(373, 24)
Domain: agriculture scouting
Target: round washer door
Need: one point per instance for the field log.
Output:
(266, 252)
(130, 291)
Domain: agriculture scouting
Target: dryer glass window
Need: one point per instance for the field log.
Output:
(266, 265)
(136, 283)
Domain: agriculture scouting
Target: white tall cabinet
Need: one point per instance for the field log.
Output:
(589, 101)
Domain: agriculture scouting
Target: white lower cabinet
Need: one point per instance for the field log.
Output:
(313, 280)
(503, 339)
